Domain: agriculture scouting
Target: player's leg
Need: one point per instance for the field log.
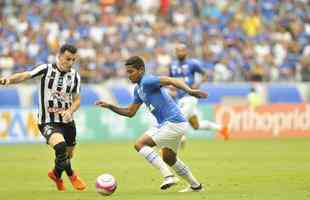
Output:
(186, 105)
(144, 146)
(170, 144)
(208, 125)
(189, 109)
(56, 141)
(69, 132)
(169, 140)
(170, 157)
(184, 171)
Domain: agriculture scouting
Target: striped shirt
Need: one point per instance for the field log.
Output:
(56, 92)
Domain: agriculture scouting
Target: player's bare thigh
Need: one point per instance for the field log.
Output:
(55, 138)
(144, 140)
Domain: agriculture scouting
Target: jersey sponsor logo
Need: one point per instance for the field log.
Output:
(180, 71)
(150, 107)
(59, 96)
(55, 110)
(69, 80)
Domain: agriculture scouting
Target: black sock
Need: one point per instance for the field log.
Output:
(68, 168)
(62, 162)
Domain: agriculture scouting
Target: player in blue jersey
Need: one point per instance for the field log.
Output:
(186, 69)
(171, 123)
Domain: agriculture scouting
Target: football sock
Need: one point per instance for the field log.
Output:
(207, 125)
(152, 156)
(68, 168)
(183, 171)
(62, 161)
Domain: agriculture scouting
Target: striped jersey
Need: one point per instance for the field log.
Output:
(56, 91)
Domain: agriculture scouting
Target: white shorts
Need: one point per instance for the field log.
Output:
(188, 106)
(169, 135)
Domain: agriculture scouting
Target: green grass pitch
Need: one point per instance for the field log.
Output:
(277, 169)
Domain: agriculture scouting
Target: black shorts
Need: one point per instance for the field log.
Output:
(68, 130)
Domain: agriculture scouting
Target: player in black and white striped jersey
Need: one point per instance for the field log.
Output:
(59, 98)
(57, 90)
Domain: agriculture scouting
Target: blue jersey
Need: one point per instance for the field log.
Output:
(185, 70)
(161, 105)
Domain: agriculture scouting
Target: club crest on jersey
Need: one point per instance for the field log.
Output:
(69, 80)
(60, 82)
(141, 93)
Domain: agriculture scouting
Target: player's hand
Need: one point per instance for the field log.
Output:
(66, 115)
(102, 104)
(198, 94)
(4, 81)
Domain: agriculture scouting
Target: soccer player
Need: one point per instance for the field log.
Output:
(171, 123)
(58, 99)
(186, 69)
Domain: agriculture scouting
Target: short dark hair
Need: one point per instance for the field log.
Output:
(136, 62)
(68, 47)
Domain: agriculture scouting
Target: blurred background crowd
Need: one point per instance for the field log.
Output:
(245, 40)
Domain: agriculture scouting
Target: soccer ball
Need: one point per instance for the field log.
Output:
(106, 184)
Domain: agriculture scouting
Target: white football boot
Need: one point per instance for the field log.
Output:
(191, 189)
(168, 182)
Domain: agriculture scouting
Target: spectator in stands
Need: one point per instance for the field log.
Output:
(254, 98)
(109, 31)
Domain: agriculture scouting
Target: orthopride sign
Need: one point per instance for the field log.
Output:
(277, 120)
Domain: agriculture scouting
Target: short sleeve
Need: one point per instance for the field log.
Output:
(136, 97)
(198, 66)
(38, 70)
(151, 82)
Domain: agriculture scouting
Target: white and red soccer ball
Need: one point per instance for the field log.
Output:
(106, 184)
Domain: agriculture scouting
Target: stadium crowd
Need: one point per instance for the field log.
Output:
(245, 40)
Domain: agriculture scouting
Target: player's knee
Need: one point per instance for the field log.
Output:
(138, 146)
(170, 160)
(169, 157)
(195, 126)
(140, 143)
(60, 148)
(55, 138)
(70, 154)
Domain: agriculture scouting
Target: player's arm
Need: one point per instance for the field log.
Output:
(23, 76)
(75, 104)
(15, 78)
(204, 79)
(129, 111)
(180, 84)
(66, 114)
(172, 91)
